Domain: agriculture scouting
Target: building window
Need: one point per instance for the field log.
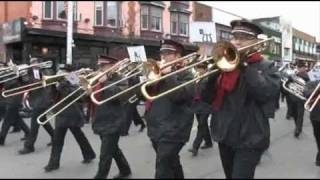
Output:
(286, 52)
(75, 13)
(61, 12)
(98, 13)
(174, 23)
(156, 19)
(225, 35)
(47, 8)
(112, 13)
(179, 24)
(184, 2)
(184, 25)
(144, 17)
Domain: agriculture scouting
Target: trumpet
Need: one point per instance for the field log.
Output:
(45, 82)
(313, 100)
(16, 71)
(144, 69)
(86, 84)
(226, 58)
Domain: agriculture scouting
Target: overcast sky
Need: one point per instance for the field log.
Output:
(304, 16)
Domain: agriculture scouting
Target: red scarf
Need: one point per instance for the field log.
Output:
(148, 103)
(227, 82)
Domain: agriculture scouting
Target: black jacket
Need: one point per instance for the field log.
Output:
(73, 116)
(41, 98)
(309, 88)
(110, 116)
(242, 121)
(13, 101)
(170, 117)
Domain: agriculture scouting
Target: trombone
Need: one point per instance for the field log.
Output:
(45, 82)
(312, 101)
(226, 58)
(21, 70)
(86, 84)
(142, 69)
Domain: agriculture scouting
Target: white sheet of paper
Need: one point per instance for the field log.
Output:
(36, 74)
(137, 54)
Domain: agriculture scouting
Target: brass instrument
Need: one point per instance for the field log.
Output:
(312, 101)
(16, 71)
(144, 69)
(86, 84)
(296, 87)
(226, 58)
(45, 82)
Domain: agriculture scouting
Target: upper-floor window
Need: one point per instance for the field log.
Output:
(61, 11)
(179, 24)
(144, 17)
(151, 18)
(112, 13)
(47, 7)
(184, 25)
(107, 13)
(98, 13)
(156, 19)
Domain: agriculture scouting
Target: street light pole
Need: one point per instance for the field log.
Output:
(70, 32)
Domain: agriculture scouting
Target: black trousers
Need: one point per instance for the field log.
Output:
(316, 133)
(110, 150)
(34, 129)
(2, 112)
(298, 113)
(168, 160)
(12, 117)
(132, 114)
(239, 163)
(58, 142)
(289, 106)
(203, 132)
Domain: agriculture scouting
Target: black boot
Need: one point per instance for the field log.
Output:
(318, 159)
(26, 150)
(50, 167)
(206, 146)
(89, 159)
(194, 151)
(142, 127)
(2, 141)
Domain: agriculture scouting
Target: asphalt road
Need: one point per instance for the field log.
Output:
(287, 156)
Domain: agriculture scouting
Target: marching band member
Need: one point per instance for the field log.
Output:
(243, 100)
(314, 117)
(40, 100)
(73, 119)
(297, 104)
(131, 110)
(108, 123)
(202, 115)
(170, 118)
(12, 116)
(2, 100)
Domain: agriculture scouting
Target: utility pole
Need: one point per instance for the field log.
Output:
(69, 32)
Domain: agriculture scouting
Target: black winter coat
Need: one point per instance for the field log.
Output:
(110, 116)
(73, 116)
(170, 117)
(41, 98)
(242, 121)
